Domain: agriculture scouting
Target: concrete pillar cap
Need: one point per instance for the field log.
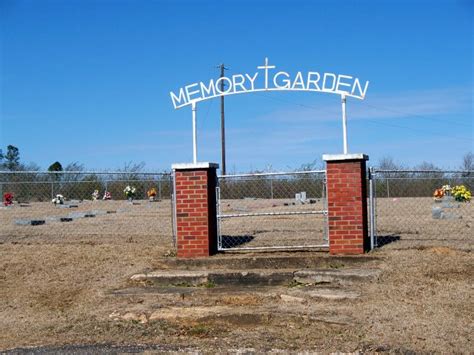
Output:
(339, 157)
(190, 166)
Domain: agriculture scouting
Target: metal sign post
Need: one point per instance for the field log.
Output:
(194, 133)
(344, 123)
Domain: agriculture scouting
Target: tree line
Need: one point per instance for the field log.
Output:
(10, 161)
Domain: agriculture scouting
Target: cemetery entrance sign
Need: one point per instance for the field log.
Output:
(267, 78)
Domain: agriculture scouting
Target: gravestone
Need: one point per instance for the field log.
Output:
(29, 222)
(444, 208)
(300, 197)
(76, 215)
(68, 206)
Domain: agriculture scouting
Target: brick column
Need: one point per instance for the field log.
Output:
(195, 209)
(347, 203)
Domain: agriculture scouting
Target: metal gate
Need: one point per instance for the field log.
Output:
(272, 211)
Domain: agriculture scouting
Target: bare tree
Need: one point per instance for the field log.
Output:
(468, 162)
(387, 163)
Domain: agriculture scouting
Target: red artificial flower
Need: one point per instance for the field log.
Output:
(8, 199)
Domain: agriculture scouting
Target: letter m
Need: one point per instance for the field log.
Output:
(180, 100)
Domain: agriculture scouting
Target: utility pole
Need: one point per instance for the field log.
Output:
(222, 67)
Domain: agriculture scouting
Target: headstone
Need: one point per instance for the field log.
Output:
(29, 222)
(438, 211)
(449, 202)
(22, 222)
(98, 212)
(76, 215)
(37, 222)
(68, 206)
(303, 196)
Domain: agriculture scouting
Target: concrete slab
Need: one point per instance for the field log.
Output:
(333, 294)
(296, 261)
(339, 276)
(216, 277)
(175, 277)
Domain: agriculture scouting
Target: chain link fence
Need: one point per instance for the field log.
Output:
(408, 216)
(272, 211)
(87, 204)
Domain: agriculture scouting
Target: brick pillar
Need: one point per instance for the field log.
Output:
(195, 209)
(347, 203)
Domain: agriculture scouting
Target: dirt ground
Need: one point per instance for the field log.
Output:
(60, 283)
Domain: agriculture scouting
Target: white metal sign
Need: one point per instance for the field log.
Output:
(267, 78)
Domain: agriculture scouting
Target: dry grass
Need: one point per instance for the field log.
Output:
(56, 282)
(410, 220)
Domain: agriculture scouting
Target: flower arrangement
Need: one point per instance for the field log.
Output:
(58, 200)
(461, 193)
(130, 192)
(446, 189)
(107, 196)
(438, 194)
(151, 194)
(8, 199)
(95, 195)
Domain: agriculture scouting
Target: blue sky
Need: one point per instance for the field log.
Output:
(88, 81)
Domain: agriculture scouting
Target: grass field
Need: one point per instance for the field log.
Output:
(56, 283)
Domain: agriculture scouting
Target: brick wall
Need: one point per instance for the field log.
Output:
(196, 219)
(347, 206)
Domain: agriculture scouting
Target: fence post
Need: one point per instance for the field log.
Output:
(347, 203)
(159, 188)
(372, 209)
(271, 188)
(388, 187)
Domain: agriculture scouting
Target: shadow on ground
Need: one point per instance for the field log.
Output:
(383, 240)
(231, 241)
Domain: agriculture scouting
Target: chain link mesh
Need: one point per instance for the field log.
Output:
(265, 211)
(408, 215)
(32, 214)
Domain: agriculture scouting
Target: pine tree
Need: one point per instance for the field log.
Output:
(12, 158)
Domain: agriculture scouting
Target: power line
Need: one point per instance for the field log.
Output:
(367, 119)
(413, 115)
(223, 169)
